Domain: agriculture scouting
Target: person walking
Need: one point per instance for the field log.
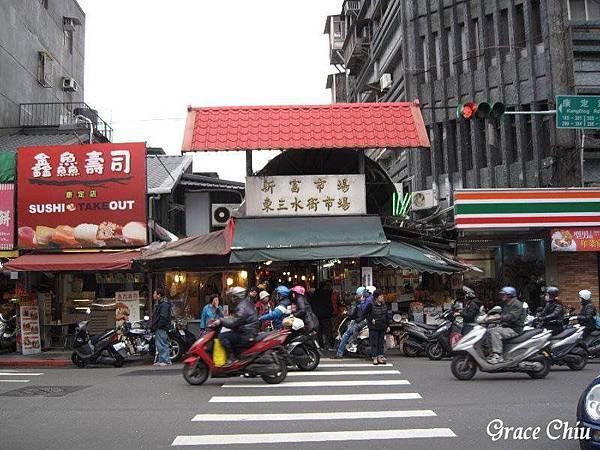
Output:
(377, 321)
(212, 311)
(161, 321)
(323, 308)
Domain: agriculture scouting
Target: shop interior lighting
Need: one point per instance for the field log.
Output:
(229, 281)
(268, 263)
(244, 275)
(303, 277)
(290, 279)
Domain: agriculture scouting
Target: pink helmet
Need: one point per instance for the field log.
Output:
(299, 290)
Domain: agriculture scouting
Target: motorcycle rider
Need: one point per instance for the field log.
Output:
(512, 320)
(243, 326)
(471, 309)
(586, 316)
(553, 313)
(303, 309)
(354, 313)
(281, 310)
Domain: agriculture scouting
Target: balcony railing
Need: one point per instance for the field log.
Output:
(64, 115)
(355, 50)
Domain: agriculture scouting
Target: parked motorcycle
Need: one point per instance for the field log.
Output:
(8, 333)
(265, 358)
(140, 340)
(444, 337)
(359, 347)
(102, 348)
(527, 352)
(417, 338)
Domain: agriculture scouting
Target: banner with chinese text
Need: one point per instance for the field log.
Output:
(306, 195)
(82, 196)
(7, 216)
(575, 240)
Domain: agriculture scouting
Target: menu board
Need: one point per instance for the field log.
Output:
(30, 330)
(127, 307)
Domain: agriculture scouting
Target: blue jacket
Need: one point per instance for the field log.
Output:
(277, 315)
(363, 308)
(208, 313)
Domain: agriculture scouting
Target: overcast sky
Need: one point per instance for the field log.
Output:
(150, 59)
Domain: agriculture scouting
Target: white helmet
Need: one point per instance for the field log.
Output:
(371, 289)
(585, 294)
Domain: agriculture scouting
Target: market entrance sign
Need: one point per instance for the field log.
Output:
(306, 195)
(82, 196)
(526, 208)
(578, 111)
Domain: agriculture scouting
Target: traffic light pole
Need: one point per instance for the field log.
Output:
(530, 113)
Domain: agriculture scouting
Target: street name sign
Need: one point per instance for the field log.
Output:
(578, 111)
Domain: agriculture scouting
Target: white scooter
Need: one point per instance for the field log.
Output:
(526, 352)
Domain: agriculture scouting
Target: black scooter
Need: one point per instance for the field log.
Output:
(417, 338)
(303, 351)
(102, 348)
(8, 333)
(440, 344)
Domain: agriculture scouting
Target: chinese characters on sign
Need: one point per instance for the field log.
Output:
(7, 216)
(306, 195)
(578, 111)
(82, 196)
(575, 240)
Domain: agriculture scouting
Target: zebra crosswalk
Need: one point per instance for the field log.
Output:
(341, 401)
(17, 376)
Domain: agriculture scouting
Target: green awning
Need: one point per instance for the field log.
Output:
(7, 167)
(403, 255)
(307, 238)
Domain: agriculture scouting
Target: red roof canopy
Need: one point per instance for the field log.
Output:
(73, 262)
(339, 125)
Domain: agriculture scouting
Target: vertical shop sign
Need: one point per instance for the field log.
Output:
(30, 330)
(7, 216)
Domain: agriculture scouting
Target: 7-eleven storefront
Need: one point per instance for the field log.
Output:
(531, 238)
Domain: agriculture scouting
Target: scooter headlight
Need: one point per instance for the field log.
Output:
(592, 403)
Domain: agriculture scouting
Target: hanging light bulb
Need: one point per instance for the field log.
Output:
(229, 281)
(244, 275)
(303, 277)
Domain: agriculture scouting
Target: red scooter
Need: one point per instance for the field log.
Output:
(266, 358)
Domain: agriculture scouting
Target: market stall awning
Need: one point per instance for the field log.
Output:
(336, 126)
(215, 243)
(307, 238)
(73, 262)
(407, 256)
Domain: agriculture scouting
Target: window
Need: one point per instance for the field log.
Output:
(462, 49)
(45, 69)
(520, 41)
(438, 55)
(338, 29)
(450, 139)
(536, 22)
(438, 141)
(481, 143)
(449, 64)
(426, 158)
(504, 33)
(476, 53)
(466, 146)
(593, 9)
(527, 141)
(425, 59)
(490, 45)
(545, 130)
(68, 40)
(513, 150)
(577, 10)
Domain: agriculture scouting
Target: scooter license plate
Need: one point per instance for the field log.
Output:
(181, 332)
(119, 345)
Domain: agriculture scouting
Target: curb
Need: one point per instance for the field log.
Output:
(35, 363)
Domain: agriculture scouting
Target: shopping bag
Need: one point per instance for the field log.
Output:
(219, 354)
(390, 341)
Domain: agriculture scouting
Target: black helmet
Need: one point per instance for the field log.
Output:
(552, 291)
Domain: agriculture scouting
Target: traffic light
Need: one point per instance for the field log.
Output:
(482, 110)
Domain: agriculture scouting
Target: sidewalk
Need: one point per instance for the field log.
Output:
(51, 358)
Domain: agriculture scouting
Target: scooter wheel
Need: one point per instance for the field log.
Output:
(579, 364)
(545, 370)
(76, 359)
(463, 367)
(313, 360)
(176, 349)
(409, 350)
(279, 376)
(119, 361)
(434, 351)
(196, 374)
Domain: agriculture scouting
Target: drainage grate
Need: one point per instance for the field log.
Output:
(152, 372)
(43, 391)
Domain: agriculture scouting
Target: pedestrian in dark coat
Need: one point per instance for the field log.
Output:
(377, 321)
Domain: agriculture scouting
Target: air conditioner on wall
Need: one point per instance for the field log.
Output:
(423, 200)
(385, 82)
(70, 84)
(222, 212)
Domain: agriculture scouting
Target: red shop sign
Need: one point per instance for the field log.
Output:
(82, 196)
(575, 240)
(7, 216)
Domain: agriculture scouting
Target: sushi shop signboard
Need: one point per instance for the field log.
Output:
(82, 196)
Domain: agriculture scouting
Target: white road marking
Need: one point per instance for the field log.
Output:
(332, 373)
(354, 365)
(291, 384)
(15, 381)
(315, 398)
(313, 416)
(21, 374)
(270, 438)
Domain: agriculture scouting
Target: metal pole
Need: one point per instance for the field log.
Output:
(249, 163)
(90, 123)
(531, 113)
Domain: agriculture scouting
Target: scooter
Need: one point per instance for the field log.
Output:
(100, 348)
(359, 347)
(265, 358)
(140, 340)
(527, 352)
(417, 338)
(303, 351)
(444, 337)
(568, 349)
(8, 333)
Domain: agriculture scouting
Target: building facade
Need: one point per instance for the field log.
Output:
(42, 48)
(443, 52)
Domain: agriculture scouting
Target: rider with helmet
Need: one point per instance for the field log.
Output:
(303, 309)
(553, 313)
(586, 316)
(354, 314)
(243, 326)
(281, 310)
(512, 320)
(471, 309)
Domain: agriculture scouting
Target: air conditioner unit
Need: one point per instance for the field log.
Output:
(70, 84)
(385, 82)
(222, 212)
(423, 200)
